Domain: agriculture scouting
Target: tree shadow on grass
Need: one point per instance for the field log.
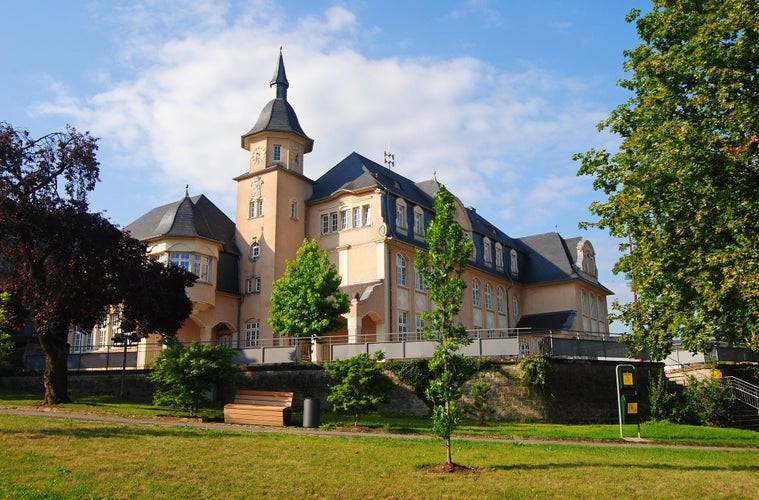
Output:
(627, 466)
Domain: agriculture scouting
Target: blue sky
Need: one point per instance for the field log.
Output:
(492, 97)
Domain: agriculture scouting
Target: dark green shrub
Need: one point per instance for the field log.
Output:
(359, 384)
(186, 375)
(660, 399)
(709, 399)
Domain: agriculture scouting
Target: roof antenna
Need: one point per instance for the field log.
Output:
(556, 228)
(186, 190)
(389, 157)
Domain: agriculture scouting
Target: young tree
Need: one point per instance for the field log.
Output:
(306, 300)
(682, 189)
(186, 375)
(441, 269)
(64, 266)
(359, 384)
(480, 405)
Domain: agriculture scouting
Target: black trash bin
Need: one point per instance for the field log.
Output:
(311, 412)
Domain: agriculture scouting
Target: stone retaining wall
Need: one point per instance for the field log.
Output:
(578, 391)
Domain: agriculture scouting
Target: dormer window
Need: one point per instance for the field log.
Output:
(514, 263)
(486, 251)
(400, 214)
(418, 222)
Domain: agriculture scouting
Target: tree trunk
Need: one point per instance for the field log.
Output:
(55, 378)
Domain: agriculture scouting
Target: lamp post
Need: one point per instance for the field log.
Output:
(126, 340)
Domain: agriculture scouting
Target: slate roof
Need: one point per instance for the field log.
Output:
(195, 217)
(551, 259)
(278, 115)
(356, 172)
(559, 320)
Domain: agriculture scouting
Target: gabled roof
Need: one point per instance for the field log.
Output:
(195, 217)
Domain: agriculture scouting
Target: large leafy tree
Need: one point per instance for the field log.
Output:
(64, 266)
(441, 268)
(306, 300)
(682, 189)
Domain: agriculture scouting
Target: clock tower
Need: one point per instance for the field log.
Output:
(270, 215)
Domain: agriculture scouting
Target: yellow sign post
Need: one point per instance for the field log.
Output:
(627, 397)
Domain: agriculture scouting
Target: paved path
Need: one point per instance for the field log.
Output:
(106, 418)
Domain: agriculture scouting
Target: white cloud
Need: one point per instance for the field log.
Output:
(198, 86)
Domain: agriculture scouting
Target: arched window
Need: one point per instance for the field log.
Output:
(401, 270)
(400, 214)
(499, 300)
(486, 251)
(488, 296)
(514, 263)
(515, 306)
(476, 292)
(498, 256)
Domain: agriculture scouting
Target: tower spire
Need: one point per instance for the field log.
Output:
(280, 78)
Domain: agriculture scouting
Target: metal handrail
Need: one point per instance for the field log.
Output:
(744, 391)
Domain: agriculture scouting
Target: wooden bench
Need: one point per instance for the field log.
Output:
(259, 408)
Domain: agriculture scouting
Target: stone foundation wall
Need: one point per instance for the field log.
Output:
(578, 391)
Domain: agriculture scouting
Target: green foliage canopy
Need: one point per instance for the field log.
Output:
(359, 384)
(441, 269)
(186, 375)
(683, 186)
(306, 300)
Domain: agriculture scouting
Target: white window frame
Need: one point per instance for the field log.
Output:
(401, 214)
(255, 250)
(418, 281)
(488, 296)
(277, 154)
(356, 216)
(487, 251)
(402, 325)
(253, 284)
(252, 333)
(345, 219)
(418, 222)
(498, 256)
(514, 261)
(500, 303)
(366, 212)
(515, 306)
(476, 299)
(419, 326)
(401, 270)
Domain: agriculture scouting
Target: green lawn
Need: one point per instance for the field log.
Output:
(64, 458)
